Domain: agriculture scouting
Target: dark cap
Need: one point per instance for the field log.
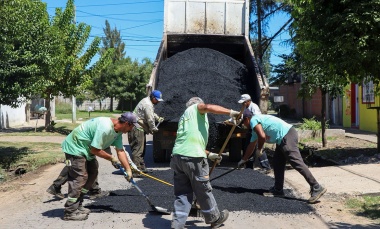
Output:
(247, 114)
(130, 118)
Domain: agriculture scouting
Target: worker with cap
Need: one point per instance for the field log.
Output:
(246, 100)
(81, 147)
(268, 128)
(190, 165)
(147, 119)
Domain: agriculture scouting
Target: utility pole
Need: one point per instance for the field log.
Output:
(74, 103)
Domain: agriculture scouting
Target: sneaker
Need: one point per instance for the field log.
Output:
(84, 210)
(55, 192)
(222, 218)
(75, 216)
(265, 171)
(147, 170)
(316, 193)
(137, 175)
(273, 192)
(94, 195)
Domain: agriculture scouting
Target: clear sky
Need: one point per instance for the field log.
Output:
(140, 23)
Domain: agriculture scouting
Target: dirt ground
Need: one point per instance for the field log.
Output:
(25, 202)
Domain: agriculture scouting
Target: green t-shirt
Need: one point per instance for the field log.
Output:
(97, 132)
(192, 133)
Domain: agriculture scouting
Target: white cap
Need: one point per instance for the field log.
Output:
(244, 97)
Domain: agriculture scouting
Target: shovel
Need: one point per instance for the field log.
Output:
(154, 208)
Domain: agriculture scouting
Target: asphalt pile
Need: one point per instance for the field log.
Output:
(205, 73)
(240, 190)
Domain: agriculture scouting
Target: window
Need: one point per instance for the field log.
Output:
(368, 95)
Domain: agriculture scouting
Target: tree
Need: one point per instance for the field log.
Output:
(72, 73)
(27, 48)
(341, 34)
(112, 40)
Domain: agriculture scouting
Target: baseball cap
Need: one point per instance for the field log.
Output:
(129, 117)
(158, 95)
(244, 97)
(247, 113)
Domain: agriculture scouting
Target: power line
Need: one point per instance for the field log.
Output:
(111, 4)
(113, 18)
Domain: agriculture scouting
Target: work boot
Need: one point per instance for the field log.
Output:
(55, 192)
(316, 192)
(94, 195)
(273, 192)
(84, 210)
(75, 216)
(222, 218)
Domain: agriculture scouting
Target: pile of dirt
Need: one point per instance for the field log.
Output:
(205, 73)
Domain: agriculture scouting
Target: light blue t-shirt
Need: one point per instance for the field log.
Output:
(274, 128)
(97, 132)
(192, 133)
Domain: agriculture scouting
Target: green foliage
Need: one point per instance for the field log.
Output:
(27, 45)
(339, 37)
(312, 124)
(63, 108)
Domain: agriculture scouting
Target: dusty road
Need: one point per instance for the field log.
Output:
(26, 204)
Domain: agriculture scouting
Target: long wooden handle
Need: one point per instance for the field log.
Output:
(227, 139)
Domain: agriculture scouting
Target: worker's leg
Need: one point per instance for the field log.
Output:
(182, 191)
(290, 147)
(136, 142)
(279, 162)
(198, 173)
(77, 178)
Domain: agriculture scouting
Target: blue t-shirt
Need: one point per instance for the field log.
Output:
(274, 128)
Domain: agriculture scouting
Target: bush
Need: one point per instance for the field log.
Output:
(312, 124)
(63, 108)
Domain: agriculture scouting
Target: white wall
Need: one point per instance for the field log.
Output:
(10, 117)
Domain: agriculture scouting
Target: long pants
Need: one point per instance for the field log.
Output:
(62, 178)
(191, 176)
(81, 177)
(137, 142)
(288, 149)
(263, 159)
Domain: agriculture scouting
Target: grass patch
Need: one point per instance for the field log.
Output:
(26, 157)
(83, 115)
(365, 206)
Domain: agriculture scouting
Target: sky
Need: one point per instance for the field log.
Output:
(141, 24)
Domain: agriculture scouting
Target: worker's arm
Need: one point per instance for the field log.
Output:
(261, 136)
(216, 109)
(124, 162)
(101, 153)
(249, 151)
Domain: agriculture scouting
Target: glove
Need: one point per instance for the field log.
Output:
(160, 119)
(134, 167)
(115, 162)
(241, 164)
(234, 115)
(129, 177)
(154, 130)
(259, 152)
(214, 157)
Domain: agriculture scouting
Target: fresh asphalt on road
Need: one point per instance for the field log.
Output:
(240, 190)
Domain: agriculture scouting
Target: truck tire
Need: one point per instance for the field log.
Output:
(235, 149)
(159, 155)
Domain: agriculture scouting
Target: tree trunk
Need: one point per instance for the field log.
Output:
(323, 121)
(111, 105)
(378, 130)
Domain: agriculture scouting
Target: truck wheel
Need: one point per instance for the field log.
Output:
(235, 149)
(159, 155)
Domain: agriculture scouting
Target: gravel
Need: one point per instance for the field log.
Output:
(205, 73)
(239, 190)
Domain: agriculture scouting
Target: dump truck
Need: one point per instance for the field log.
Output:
(221, 25)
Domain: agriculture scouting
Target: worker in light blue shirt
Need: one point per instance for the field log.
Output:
(267, 128)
